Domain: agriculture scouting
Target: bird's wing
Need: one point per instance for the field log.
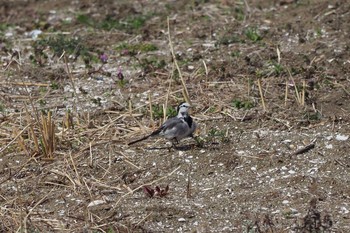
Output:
(174, 128)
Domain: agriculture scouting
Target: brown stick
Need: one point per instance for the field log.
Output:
(304, 149)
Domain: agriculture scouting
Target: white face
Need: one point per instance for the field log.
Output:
(183, 107)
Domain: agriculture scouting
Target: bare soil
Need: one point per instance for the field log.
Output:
(270, 88)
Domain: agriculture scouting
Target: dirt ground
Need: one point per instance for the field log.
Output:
(269, 85)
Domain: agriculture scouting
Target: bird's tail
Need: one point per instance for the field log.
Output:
(139, 140)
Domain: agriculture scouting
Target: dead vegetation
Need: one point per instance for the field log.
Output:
(270, 96)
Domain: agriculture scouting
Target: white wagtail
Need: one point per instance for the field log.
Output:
(175, 128)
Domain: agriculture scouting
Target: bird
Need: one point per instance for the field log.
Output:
(175, 128)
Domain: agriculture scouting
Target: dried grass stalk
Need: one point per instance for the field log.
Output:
(48, 135)
(184, 90)
(261, 94)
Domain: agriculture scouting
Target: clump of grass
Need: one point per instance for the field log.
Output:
(312, 116)
(4, 27)
(133, 49)
(252, 34)
(214, 133)
(111, 22)
(158, 112)
(48, 140)
(235, 53)
(151, 64)
(41, 137)
(242, 104)
(2, 107)
(271, 68)
(239, 13)
(86, 20)
(229, 39)
(54, 85)
(58, 45)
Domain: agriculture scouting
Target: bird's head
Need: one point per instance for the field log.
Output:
(182, 109)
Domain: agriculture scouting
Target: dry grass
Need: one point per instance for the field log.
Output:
(69, 169)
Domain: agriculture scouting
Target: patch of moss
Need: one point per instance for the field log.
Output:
(136, 48)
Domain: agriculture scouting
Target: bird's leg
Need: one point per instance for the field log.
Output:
(174, 143)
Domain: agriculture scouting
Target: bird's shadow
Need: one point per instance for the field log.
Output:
(178, 148)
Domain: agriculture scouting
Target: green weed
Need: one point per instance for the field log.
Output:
(2, 107)
(59, 44)
(97, 101)
(133, 49)
(239, 13)
(271, 68)
(121, 83)
(111, 22)
(42, 90)
(54, 86)
(216, 133)
(239, 104)
(86, 20)
(314, 116)
(252, 34)
(42, 102)
(4, 26)
(235, 53)
(157, 111)
(229, 39)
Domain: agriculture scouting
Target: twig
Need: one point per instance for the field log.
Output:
(261, 95)
(25, 84)
(18, 135)
(151, 108)
(297, 94)
(143, 219)
(304, 149)
(30, 212)
(286, 94)
(185, 91)
(76, 99)
(188, 187)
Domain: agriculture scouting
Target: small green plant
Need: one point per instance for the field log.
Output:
(252, 34)
(157, 111)
(239, 13)
(135, 22)
(86, 20)
(133, 49)
(229, 39)
(59, 44)
(121, 83)
(110, 22)
(319, 32)
(4, 26)
(2, 107)
(97, 101)
(314, 116)
(212, 109)
(150, 64)
(235, 53)
(270, 68)
(42, 102)
(216, 133)
(42, 90)
(239, 104)
(278, 68)
(54, 85)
